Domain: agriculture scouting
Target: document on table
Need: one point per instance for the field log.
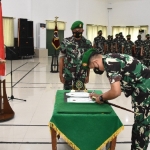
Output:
(79, 97)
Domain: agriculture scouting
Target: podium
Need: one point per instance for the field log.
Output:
(54, 64)
(6, 112)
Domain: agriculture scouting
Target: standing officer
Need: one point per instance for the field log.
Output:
(121, 40)
(146, 59)
(100, 43)
(115, 43)
(109, 44)
(70, 57)
(139, 48)
(126, 74)
(128, 46)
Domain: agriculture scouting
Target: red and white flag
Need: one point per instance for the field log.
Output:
(2, 52)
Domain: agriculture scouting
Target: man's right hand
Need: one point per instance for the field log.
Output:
(62, 79)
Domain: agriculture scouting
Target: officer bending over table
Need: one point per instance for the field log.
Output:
(129, 75)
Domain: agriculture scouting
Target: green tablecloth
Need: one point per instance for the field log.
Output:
(90, 127)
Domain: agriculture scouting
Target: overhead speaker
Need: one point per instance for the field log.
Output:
(22, 28)
(30, 29)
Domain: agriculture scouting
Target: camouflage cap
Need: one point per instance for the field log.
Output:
(116, 34)
(139, 35)
(99, 31)
(86, 57)
(120, 33)
(109, 35)
(128, 35)
(77, 24)
(147, 35)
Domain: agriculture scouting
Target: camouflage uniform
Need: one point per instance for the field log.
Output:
(109, 44)
(121, 40)
(128, 46)
(135, 82)
(138, 46)
(115, 43)
(99, 43)
(73, 51)
(146, 46)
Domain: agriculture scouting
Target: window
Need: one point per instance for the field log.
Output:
(8, 31)
(51, 25)
(132, 30)
(91, 31)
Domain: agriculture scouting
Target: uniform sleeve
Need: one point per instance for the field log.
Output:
(113, 70)
(63, 47)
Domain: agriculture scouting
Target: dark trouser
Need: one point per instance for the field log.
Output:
(71, 84)
(68, 84)
(140, 137)
(141, 126)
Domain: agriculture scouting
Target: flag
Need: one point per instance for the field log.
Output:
(2, 52)
(55, 40)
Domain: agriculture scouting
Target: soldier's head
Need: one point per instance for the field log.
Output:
(117, 35)
(93, 60)
(147, 36)
(120, 34)
(139, 37)
(128, 37)
(77, 29)
(111, 37)
(108, 36)
(99, 32)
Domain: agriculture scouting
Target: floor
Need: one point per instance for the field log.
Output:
(33, 82)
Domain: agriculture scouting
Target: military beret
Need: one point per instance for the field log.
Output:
(128, 35)
(77, 24)
(116, 34)
(147, 35)
(86, 57)
(99, 31)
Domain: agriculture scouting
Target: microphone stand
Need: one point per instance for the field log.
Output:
(12, 97)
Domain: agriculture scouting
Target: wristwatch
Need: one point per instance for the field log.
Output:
(101, 98)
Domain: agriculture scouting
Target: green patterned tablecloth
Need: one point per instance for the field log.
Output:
(88, 126)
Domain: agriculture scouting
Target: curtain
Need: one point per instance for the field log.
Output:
(132, 30)
(51, 25)
(8, 31)
(91, 31)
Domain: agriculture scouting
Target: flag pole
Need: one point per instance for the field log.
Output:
(55, 26)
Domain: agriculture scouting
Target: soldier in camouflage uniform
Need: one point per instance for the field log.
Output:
(109, 44)
(138, 48)
(146, 45)
(121, 40)
(128, 46)
(70, 57)
(115, 43)
(100, 43)
(129, 75)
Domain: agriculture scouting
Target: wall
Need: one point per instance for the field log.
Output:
(16, 9)
(129, 12)
(89, 11)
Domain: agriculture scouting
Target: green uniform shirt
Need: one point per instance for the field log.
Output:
(133, 75)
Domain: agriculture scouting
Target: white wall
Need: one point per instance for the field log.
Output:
(88, 11)
(16, 9)
(129, 12)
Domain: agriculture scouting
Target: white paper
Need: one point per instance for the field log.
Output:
(78, 94)
(80, 100)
